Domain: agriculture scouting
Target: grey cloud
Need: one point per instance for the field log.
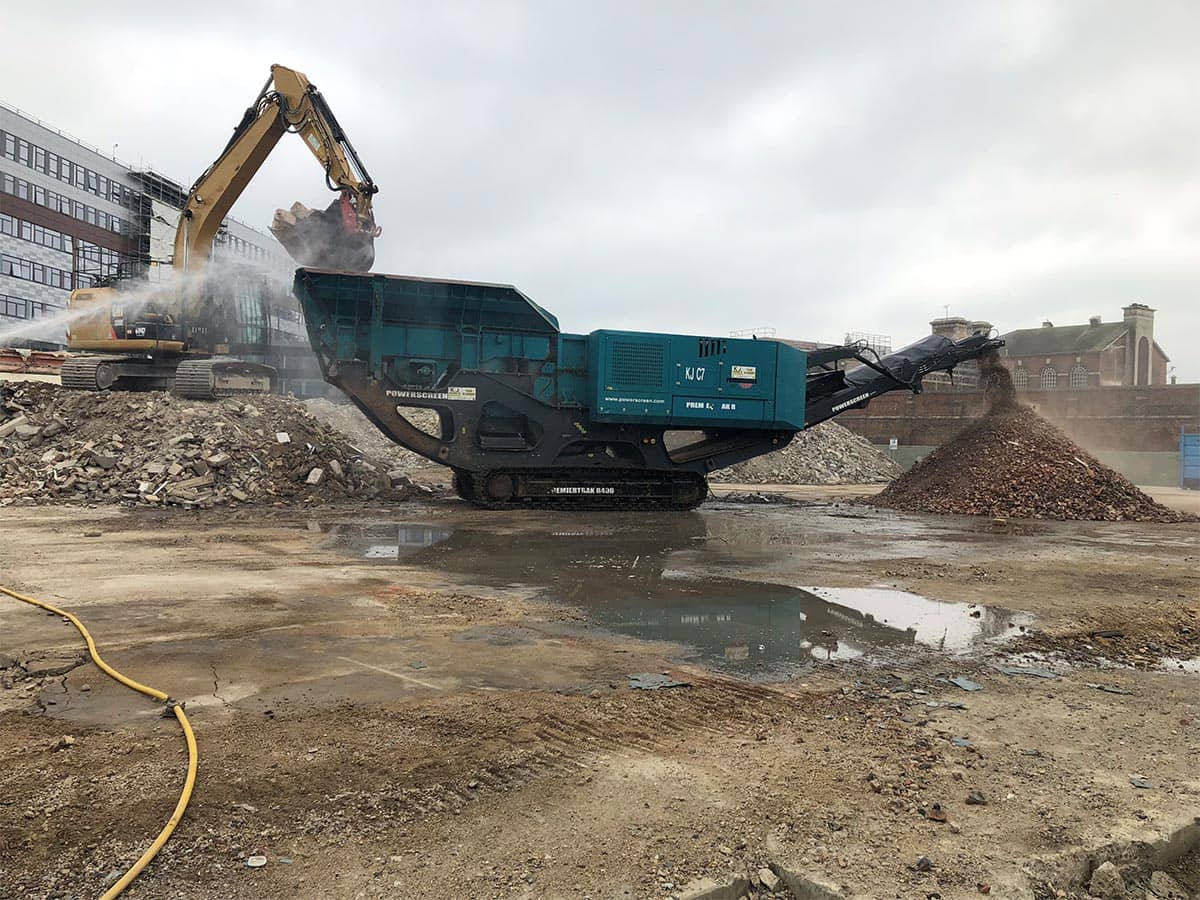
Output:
(706, 166)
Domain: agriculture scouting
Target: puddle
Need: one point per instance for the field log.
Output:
(643, 577)
(1173, 664)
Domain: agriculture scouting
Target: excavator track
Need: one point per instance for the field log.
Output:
(90, 373)
(209, 379)
(581, 489)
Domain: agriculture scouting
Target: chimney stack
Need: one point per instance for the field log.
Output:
(1139, 344)
(1094, 321)
(954, 327)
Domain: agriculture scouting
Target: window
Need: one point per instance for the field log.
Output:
(1021, 380)
(1079, 377)
(13, 307)
(1049, 378)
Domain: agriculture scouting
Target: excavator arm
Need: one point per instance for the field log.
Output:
(340, 237)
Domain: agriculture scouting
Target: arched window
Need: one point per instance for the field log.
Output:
(1021, 380)
(1049, 378)
(1079, 377)
(1143, 361)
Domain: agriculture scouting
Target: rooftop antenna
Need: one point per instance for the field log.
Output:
(946, 310)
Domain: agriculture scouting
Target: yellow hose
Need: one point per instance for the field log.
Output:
(177, 708)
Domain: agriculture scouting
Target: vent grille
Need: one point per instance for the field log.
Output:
(711, 347)
(637, 365)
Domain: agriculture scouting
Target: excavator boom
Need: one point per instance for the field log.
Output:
(342, 236)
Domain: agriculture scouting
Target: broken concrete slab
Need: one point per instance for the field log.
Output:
(50, 666)
(732, 887)
(7, 428)
(653, 681)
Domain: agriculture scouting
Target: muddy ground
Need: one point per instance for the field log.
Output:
(431, 701)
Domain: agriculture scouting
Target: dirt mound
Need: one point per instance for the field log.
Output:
(825, 454)
(1013, 462)
(155, 448)
(362, 433)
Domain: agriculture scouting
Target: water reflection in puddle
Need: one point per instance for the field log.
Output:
(634, 578)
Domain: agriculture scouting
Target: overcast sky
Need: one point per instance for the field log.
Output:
(699, 167)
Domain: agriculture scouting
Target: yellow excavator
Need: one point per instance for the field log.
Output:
(137, 339)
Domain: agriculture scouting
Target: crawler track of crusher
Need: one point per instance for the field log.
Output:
(581, 489)
(208, 379)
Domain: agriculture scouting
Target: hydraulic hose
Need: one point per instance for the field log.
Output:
(193, 757)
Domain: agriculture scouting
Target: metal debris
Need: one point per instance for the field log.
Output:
(1027, 670)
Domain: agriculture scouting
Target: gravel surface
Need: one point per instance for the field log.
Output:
(362, 433)
(825, 454)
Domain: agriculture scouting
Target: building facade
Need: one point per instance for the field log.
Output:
(1078, 357)
(71, 216)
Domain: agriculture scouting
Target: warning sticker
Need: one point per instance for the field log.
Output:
(452, 393)
(744, 373)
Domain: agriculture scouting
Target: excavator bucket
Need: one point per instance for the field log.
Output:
(324, 239)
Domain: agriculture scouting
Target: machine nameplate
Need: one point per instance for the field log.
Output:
(851, 402)
(453, 393)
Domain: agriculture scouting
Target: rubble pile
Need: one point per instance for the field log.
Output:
(156, 449)
(362, 433)
(1013, 463)
(825, 454)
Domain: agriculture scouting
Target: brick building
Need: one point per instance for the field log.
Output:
(1104, 383)
(1098, 354)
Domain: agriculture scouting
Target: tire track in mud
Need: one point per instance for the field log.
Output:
(516, 748)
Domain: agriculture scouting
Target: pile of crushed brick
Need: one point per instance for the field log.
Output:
(1013, 463)
(156, 449)
(825, 454)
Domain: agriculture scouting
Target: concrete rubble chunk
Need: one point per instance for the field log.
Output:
(768, 879)
(7, 428)
(1165, 887)
(27, 432)
(315, 475)
(1106, 882)
(50, 666)
(191, 484)
(731, 887)
(103, 460)
(217, 460)
(283, 437)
